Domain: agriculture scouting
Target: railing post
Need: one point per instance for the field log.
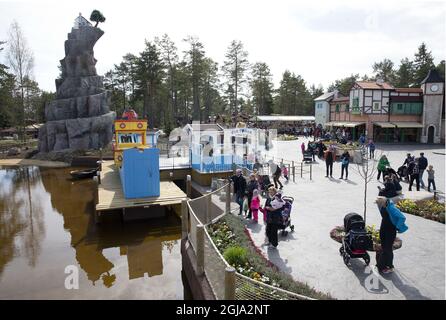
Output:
(208, 208)
(188, 185)
(311, 171)
(184, 219)
(294, 172)
(200, 249)
(289, 170)
(228, 198)
(229, 283)
(301, 169)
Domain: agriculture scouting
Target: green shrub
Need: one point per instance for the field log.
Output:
(236, 256)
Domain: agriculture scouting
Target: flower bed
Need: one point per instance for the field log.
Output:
(286, 137)
(232, 240)
(337, 233)
(428, 209)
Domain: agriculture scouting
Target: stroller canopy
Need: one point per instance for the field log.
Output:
(351, 219)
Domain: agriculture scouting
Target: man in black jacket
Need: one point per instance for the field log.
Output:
(414, 173)
(422, 165)
(239, 188)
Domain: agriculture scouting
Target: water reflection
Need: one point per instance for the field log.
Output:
(21, 220)
(34, 203)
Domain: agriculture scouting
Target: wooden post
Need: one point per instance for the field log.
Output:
(188, 185)
(208, 208)
(294, 171)
(200, 249)
(228, 198)
(311, 171)
(289, 170)
(229, 283)
(301, 169)
(184, 219)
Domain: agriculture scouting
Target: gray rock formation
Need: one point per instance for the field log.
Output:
(79, 118)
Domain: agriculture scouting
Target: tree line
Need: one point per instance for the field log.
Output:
(22, 102)
(408, 74)
(171, 88)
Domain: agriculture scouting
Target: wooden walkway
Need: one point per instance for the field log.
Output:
(111, 197)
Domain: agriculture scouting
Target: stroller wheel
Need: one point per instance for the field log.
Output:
(341, 251)
(292, 228)
(346, 259)
(367, 259)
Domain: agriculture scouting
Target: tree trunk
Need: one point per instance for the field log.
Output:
(97, 22)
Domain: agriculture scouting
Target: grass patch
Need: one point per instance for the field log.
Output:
(229, 233)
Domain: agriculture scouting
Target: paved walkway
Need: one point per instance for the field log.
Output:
(311, 256)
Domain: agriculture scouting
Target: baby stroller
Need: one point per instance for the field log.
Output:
(286, 215)
(357, 240)
(308, 156)
(403, 172)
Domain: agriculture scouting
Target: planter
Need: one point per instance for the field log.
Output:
(337, 233)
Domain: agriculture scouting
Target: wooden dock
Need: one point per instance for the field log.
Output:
(111, 197)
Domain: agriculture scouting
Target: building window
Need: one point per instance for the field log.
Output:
(337, 108)
(399, 107)
(376, 106)
(347, 108)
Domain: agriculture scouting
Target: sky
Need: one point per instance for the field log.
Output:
(320, 40)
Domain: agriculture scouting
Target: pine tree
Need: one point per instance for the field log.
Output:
(405, 74)
(235, 68)
(423, 63)
(262, 89)
(384, 70)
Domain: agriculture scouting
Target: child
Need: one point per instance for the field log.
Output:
(255, 205)
(285, 172)
(430, 178)
(245, 204)
(277, 202)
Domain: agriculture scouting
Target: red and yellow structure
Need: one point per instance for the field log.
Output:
(129, 134)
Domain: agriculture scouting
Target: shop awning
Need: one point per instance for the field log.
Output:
(344, 124)
(407, 124)
(384, 124)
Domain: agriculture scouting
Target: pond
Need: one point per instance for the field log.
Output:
(47, 225)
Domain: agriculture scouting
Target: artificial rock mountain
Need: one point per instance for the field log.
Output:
(79, 118)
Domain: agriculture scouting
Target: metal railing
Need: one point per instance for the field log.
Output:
(224, 280)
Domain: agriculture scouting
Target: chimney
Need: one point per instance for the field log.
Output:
(336, 94)
(379, 81)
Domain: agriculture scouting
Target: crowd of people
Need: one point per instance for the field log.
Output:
(249, 193)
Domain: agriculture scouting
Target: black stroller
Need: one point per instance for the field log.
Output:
(286, 215)
(357, 240)
(264, 183)
(403, 173)
(308, 156)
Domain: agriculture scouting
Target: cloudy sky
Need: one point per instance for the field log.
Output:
(320, 40)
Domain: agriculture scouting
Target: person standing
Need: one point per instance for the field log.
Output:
(252, 185)
(372, 148)
(387, 235)
(422, 165)
(414, 174)
(273, 218)
(276, 176)
(239, 188)
(329, 159)
(345, 160)
(255, 205)
(382, 165)
(430, 178)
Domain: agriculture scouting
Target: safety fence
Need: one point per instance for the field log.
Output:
(224, 280)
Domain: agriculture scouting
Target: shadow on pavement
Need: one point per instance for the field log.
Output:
(275, 258)
(409, 291)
